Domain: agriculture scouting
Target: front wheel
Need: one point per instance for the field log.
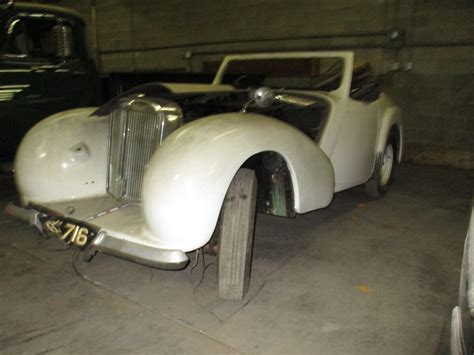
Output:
(236, 236)
(378, 185)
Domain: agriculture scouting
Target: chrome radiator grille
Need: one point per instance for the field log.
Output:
(138, 126)
(134, 137)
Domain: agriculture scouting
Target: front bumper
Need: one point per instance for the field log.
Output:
(112, 245)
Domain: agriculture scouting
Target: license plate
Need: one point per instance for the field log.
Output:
(70, 231)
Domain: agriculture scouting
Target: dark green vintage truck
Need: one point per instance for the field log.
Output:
(43, 68)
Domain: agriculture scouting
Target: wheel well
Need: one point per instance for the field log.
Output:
(275, 188)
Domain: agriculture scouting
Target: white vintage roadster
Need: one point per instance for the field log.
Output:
(159, 171)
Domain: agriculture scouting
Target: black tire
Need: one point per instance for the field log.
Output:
(236, 236)
(379, 184)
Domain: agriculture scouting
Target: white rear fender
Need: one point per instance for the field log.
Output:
(188, 177)
(390, 117)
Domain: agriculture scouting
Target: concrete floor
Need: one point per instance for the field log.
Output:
(360, 277)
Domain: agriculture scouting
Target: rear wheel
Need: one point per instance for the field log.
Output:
(378, 185)
(236, 236)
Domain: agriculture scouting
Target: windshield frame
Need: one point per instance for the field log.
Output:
(346, 56)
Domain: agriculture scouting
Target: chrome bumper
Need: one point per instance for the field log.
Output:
(23, 215)
(139, 253)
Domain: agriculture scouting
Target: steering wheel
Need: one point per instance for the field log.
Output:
(247, 81)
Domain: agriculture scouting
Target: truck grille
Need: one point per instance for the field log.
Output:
(134, 137)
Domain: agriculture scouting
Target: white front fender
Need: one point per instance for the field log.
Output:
(63, 157)
(188, 177)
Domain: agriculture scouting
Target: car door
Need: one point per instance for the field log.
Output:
(353, 156)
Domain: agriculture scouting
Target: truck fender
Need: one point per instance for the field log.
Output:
(188, 176)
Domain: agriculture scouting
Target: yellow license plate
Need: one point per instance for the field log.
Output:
(75, 233)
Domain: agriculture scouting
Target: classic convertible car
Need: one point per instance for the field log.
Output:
(166, 169)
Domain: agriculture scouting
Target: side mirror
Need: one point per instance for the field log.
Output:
(264, 97)
(63, 41)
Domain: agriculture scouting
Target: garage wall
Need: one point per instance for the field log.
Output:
(428, 68)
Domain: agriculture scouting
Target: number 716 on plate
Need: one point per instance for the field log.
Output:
(77, 234)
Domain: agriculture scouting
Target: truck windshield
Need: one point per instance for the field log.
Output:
(31, 37)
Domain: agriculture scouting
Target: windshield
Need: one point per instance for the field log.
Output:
(289, 73)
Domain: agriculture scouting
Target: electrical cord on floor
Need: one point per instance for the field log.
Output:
(199, 256)
(42, 237)
(197, 253)
(74, 258)
(151, 273)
